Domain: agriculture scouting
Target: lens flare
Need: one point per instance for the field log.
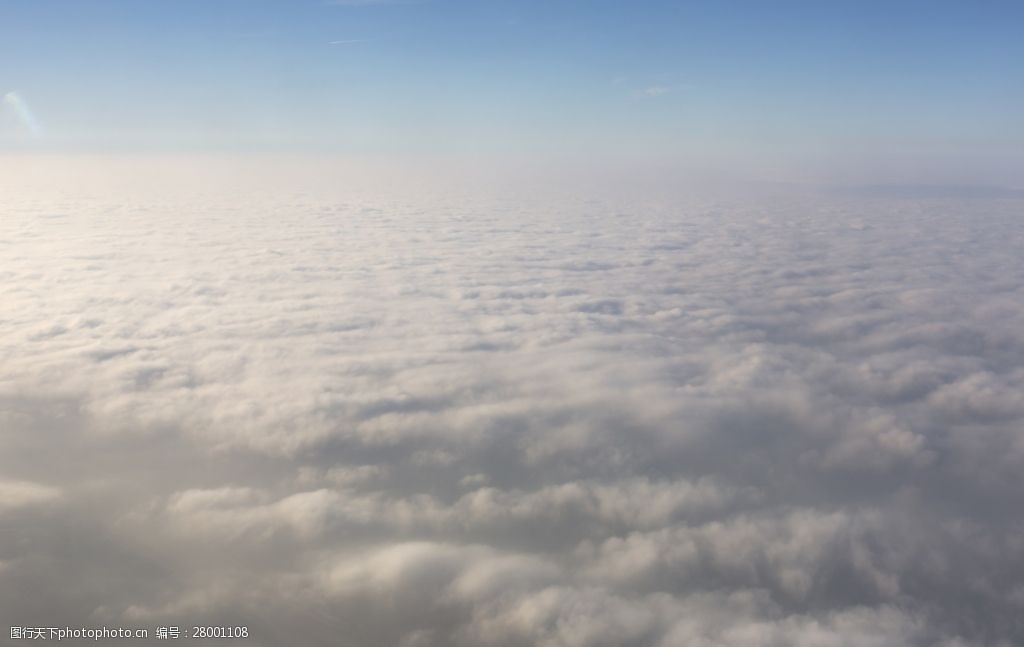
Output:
(23, 112)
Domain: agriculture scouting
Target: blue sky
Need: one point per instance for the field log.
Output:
(938, 82)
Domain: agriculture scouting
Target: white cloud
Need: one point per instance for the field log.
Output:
(20, 495)
(314, 400)
(23, 112)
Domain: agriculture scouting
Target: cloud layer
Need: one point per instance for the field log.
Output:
(373, 413)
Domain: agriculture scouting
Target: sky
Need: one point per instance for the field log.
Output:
(437, 323)
(915, 91)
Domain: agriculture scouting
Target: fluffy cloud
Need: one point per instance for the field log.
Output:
(16, 495)
(339, 406)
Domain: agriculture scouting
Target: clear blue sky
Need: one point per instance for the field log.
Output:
(933, 80)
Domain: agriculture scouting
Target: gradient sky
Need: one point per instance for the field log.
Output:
(933, 83)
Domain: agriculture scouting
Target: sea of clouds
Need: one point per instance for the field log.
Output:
(402, 413)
